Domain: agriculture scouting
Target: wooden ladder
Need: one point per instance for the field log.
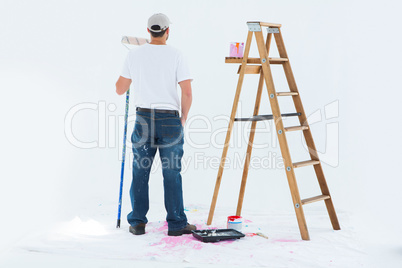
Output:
(261, 66)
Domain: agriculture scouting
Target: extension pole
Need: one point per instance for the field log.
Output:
(123, 158)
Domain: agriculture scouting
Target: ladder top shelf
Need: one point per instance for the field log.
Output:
(267, 24)
(255, 60)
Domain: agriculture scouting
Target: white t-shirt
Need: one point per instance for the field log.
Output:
(155, 71)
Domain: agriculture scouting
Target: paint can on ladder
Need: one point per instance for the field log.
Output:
(235, 222)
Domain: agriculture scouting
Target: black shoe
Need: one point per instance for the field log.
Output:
(185, 230)
(139, 229)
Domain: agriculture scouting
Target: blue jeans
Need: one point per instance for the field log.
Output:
(154, 131)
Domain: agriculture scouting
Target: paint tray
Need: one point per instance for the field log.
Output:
(215, 235)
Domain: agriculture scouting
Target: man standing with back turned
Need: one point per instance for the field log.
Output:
(155, 70)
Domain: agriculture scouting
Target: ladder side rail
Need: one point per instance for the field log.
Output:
(250, 146)
(281, 137)
(230, 127)
(252, 133)
(307, 132)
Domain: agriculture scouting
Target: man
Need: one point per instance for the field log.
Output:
(155, 70)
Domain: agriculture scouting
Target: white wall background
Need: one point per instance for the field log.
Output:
(57, 54)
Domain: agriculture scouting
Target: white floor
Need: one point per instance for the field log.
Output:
(97, 243)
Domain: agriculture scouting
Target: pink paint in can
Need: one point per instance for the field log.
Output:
(236, 49)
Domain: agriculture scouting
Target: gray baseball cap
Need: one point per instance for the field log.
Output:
(160, 20)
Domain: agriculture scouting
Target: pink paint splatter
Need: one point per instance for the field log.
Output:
(171, 242)
(247, 221)
(164, 227)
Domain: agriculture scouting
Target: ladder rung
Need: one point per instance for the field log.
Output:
(264, 117)
(255, 60)
(314, 199)
(306, 163)
(287, 93)
(295, 128)
(277, 60)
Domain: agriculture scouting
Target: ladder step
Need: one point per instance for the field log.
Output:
(295, 128)
(277, 60)
(255, 60)
(306, 163)
(287, 93)
(265, 117)
(314, 199)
